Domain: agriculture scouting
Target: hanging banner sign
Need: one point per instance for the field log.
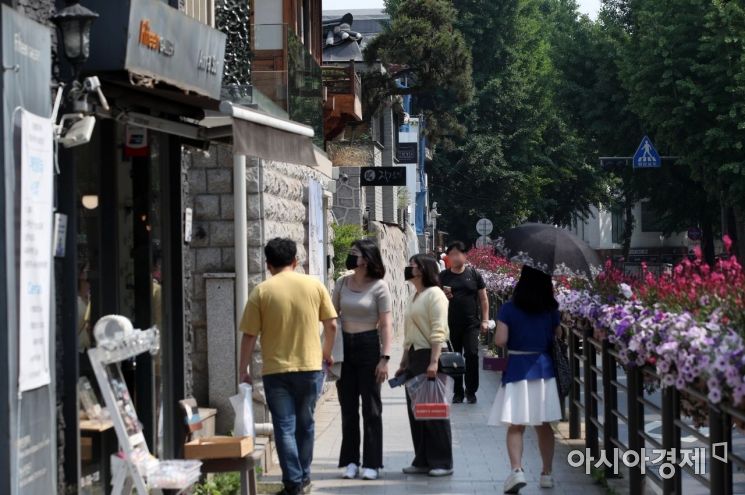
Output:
(316, 260)
(37, 173)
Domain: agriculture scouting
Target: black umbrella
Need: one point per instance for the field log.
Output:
(549, 249)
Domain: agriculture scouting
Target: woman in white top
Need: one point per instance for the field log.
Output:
(363, 302)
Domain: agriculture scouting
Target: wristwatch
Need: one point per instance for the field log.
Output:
(386, 357)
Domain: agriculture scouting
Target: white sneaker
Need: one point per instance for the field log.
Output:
(351, 472)
(369, 474)
(439, 473)
(547, 481)
(515, 481)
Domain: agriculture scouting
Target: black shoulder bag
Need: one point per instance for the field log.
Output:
(452, 363)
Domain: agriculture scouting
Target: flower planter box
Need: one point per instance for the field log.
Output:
(494, 363)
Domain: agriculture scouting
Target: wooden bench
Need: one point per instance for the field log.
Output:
(246, 466)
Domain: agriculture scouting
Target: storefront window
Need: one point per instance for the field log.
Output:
(120, 239)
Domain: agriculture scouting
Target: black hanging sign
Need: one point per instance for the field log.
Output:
(382, 176)
(407, 152)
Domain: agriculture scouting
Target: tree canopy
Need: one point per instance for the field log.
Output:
(554, 90)
(522, 156)
(422, 47)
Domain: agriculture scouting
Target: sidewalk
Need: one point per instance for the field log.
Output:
(480, 455)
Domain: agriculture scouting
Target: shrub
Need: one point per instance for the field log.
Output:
(344, 236)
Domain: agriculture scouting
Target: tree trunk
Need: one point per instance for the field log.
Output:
(628, 226)
(739, 231)
(707, 242)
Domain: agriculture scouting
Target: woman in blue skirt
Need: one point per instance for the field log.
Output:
(528, 325)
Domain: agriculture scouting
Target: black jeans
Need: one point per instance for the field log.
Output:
(433, 440)
(361, 357)
(465, 339)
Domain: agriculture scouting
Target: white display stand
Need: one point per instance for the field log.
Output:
(139, 470)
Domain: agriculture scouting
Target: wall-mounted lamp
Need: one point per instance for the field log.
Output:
(90, 201)
(74, 24)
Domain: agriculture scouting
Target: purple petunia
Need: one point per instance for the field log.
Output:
(685, 350)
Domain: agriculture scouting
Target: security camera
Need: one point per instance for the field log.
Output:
(93, 85)
(80, 132)
(344, 178)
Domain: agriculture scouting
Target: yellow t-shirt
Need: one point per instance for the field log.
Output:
(284, 312)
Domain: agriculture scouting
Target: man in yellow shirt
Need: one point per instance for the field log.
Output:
(284, 312)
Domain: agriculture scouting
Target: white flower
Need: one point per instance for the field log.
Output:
(626, 290)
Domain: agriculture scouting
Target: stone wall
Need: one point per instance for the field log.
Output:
(394, 249)
(276, 207)
(360, 154)
(349, 199)
(352, 153)
(38, 10)
(210, 182)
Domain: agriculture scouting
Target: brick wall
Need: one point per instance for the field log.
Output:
(210, 183)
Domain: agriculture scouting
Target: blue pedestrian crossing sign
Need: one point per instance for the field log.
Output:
(646, 155)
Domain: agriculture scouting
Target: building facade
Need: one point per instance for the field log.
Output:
(168, 194)
(603, 230)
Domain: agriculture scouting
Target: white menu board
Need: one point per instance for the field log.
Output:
(35, 272)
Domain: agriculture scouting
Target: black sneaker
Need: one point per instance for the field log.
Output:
(471, 398)
(307, 485)
(457, 399)
(297, 490)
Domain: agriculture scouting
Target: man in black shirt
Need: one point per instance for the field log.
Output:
(468, 314)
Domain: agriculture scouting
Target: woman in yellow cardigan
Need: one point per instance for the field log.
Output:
(425, 333)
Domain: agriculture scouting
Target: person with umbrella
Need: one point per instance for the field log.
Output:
(528, 394)
(528, 326)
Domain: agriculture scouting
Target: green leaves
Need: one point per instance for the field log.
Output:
(524, 155)
(422, 45)
(344, 236)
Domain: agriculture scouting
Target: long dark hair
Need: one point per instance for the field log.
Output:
(369, 250)
(534, 292)
(429, 268)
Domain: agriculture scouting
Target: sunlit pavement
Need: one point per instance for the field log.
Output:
(481, 462)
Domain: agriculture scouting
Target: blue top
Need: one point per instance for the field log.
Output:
(531, 333)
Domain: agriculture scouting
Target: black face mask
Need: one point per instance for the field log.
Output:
(351, 262)
(408, 273)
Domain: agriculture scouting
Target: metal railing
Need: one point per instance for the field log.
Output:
(342, 80)
(286, 72)
(594, 403)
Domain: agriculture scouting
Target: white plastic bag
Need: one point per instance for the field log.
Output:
(244, 411)
(430, 399)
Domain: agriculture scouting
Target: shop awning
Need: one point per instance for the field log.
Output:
(195, 118)
(259, 134)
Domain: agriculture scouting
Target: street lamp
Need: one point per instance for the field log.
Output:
(74, 24)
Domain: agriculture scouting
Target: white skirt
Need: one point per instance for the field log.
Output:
(526, 402)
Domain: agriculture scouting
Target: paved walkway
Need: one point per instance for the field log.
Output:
(481, 463)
